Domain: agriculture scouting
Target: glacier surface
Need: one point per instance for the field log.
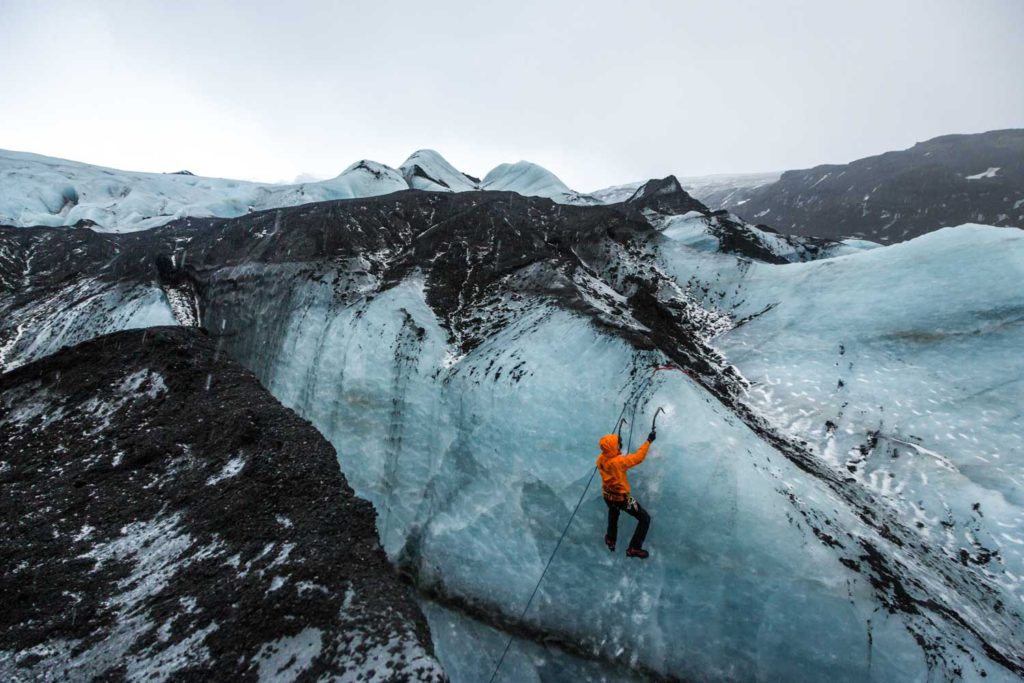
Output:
(531, 180)
(835, 485)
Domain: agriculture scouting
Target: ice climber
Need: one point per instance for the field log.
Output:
(615, 489)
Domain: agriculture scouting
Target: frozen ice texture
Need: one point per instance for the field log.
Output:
(39, 190)
(428, 170)
(808, 530)
(36, 190)
(759, 570)
(904, 371)
(531, 180)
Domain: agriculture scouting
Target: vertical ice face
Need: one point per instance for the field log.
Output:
(464, 359)
(463, 643)
(475, 467)
(474, 476)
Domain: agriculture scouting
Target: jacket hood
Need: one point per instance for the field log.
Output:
(609, 445)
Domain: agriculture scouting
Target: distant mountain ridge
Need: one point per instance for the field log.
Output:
(667, 207)
(887, 198)
(896, 196)
(712, 190)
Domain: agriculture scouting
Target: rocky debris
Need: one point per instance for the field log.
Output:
(665, 196)
(165, 517)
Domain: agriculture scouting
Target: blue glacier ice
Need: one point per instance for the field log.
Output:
(835, 495)
(475, 461)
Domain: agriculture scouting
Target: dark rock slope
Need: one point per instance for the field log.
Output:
(164, 518)
(480, 255)
(896, 196)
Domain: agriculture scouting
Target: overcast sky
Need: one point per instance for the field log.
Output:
(598, 92)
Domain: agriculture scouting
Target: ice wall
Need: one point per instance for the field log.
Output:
(782, 547)
(759, 571)
(467, 649)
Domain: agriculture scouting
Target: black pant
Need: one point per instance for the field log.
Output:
(633, 509)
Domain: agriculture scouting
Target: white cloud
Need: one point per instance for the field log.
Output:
(598, 92)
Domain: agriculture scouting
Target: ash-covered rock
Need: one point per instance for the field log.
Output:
(665, 196)
(673, 211)
(165, 517)
(896, 196)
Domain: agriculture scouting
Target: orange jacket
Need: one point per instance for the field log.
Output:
(613, 466)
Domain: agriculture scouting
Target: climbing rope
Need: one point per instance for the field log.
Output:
(635, 398)
(529, 602)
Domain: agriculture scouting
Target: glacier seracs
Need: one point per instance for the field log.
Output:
(428, 170)
(36, 190)
(531, 180)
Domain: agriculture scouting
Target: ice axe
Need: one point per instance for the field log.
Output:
(654, 422)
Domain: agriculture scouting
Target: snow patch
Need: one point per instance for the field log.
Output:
(286, 658)
(988, 173)
(230, 469)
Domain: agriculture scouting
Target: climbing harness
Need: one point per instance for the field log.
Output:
(634, 397)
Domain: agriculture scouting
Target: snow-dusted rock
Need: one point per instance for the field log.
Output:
(898, 195)
(679, 216)
(165, 518)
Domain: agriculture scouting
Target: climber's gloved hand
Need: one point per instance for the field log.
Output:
(652, 436)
